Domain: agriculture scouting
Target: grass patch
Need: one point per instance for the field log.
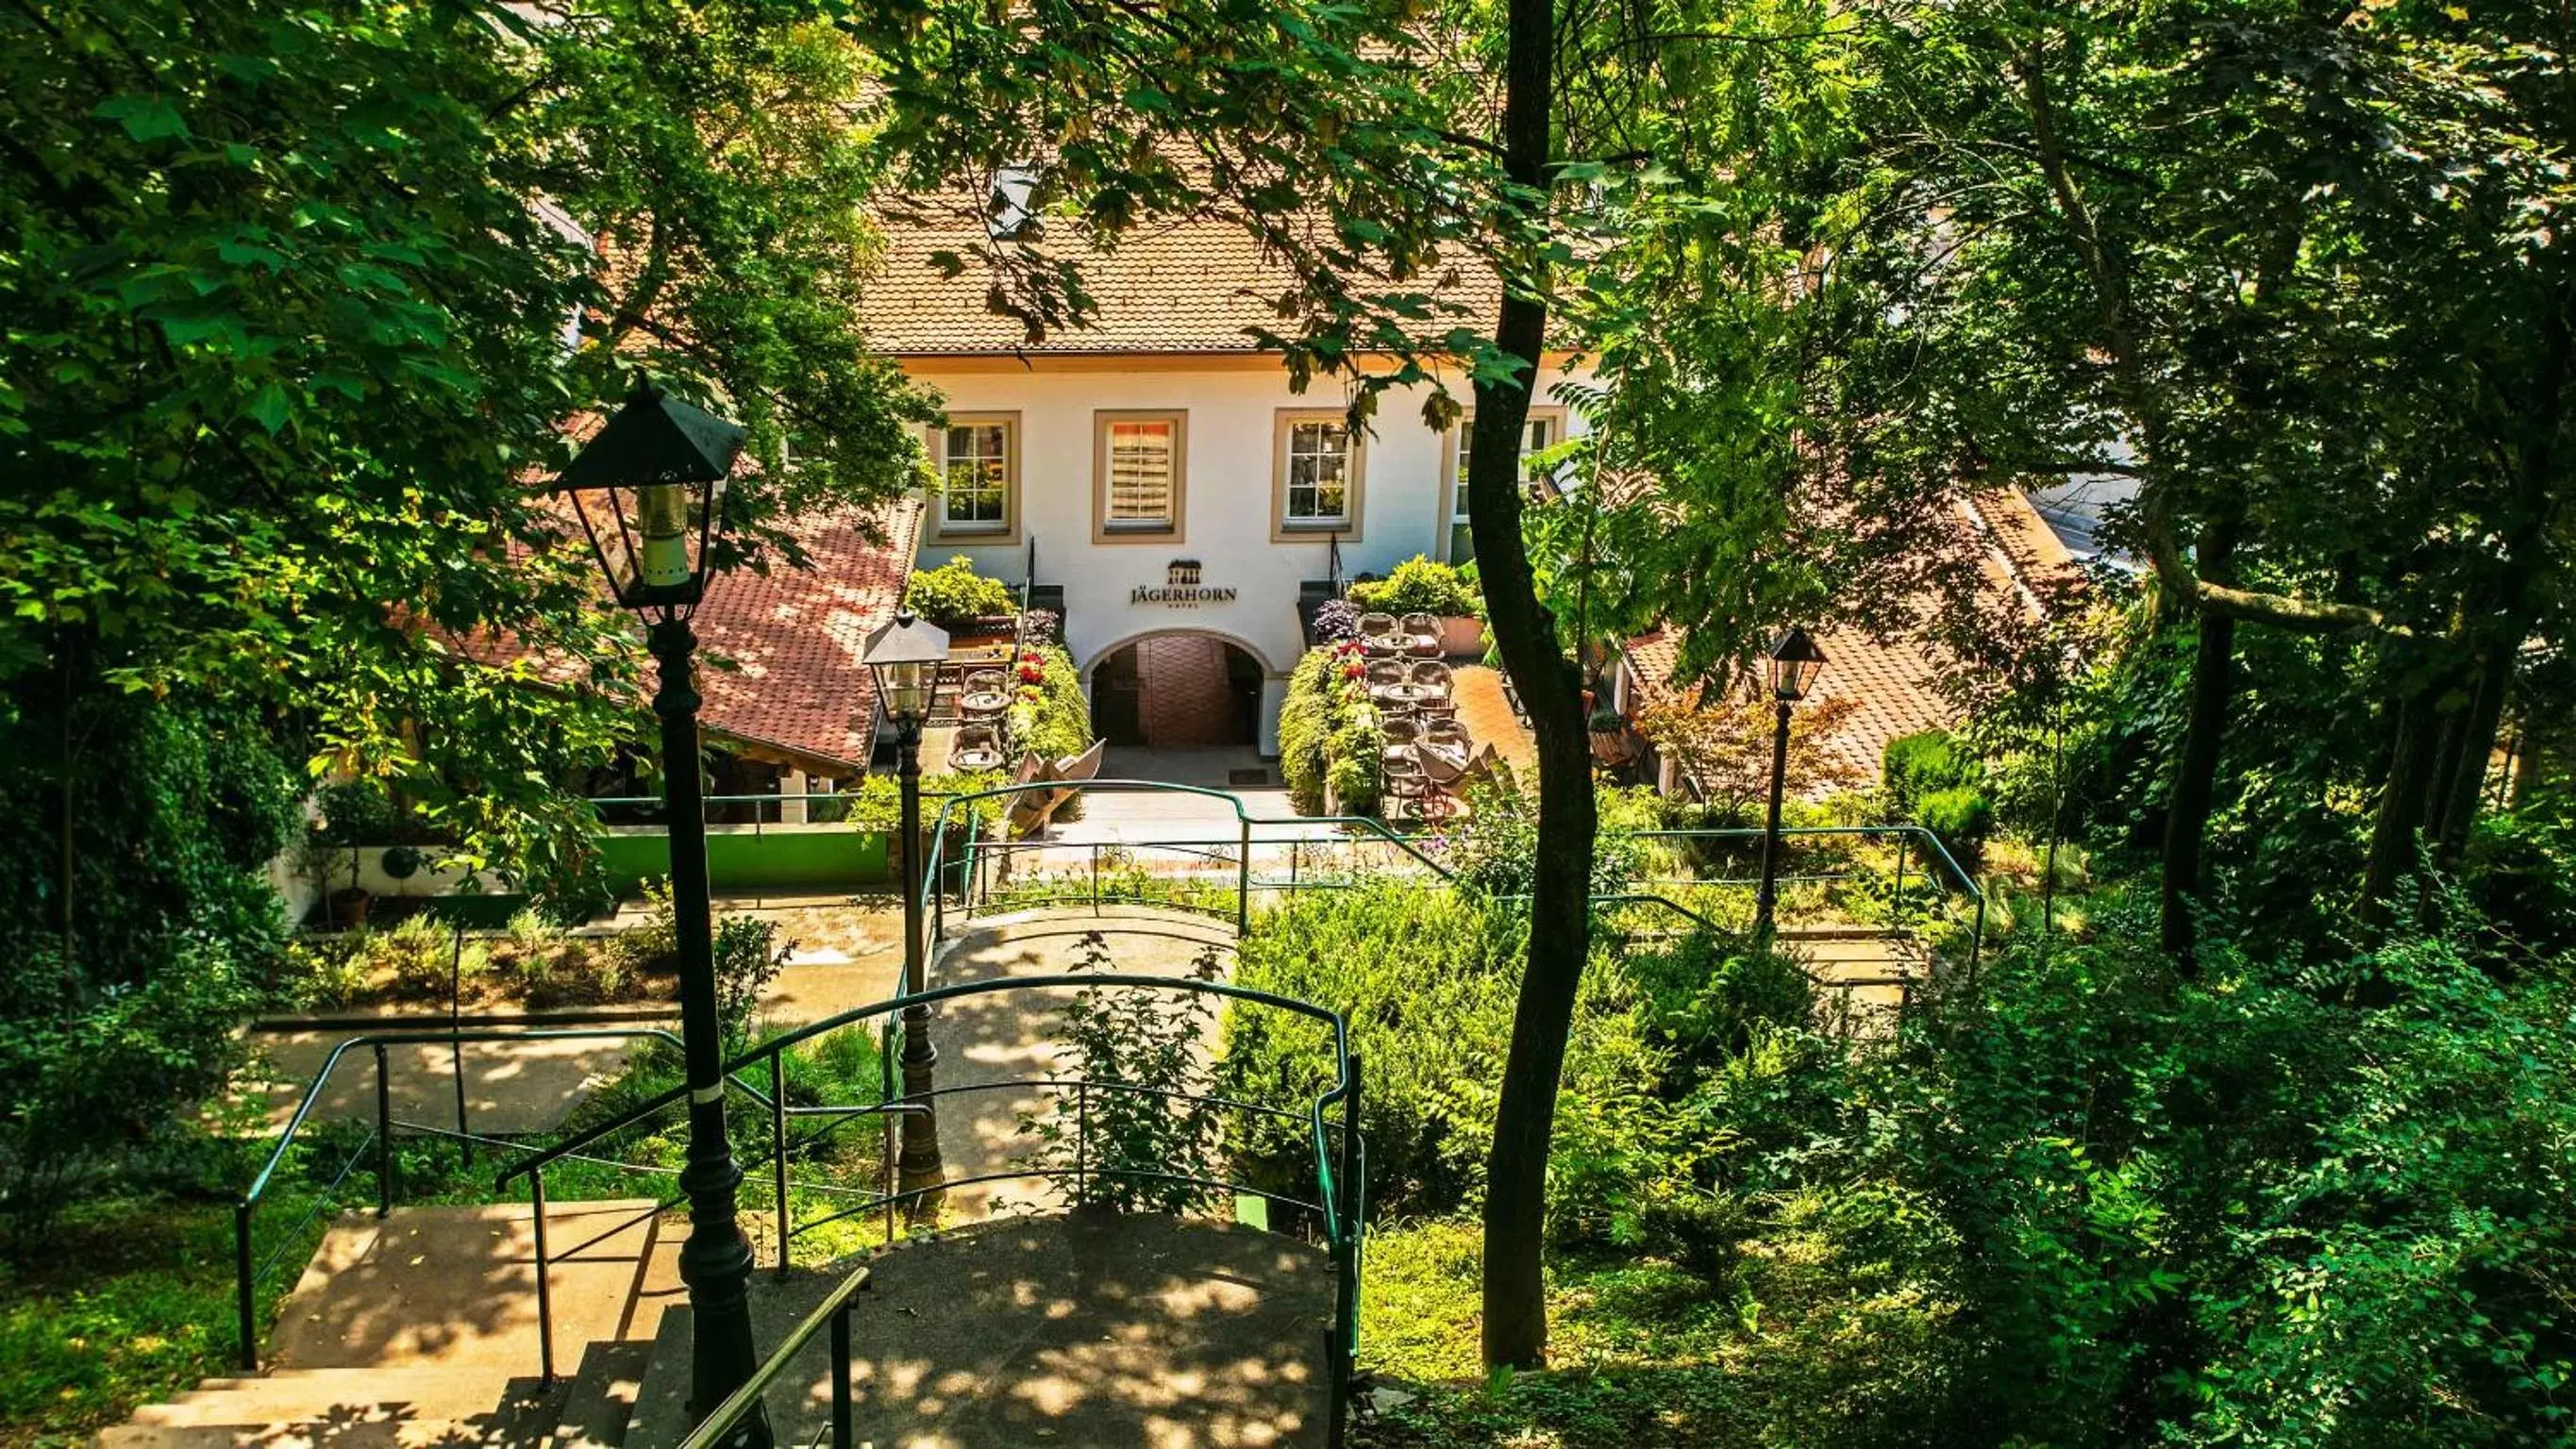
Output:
(125, 1301)
(1798, 1346)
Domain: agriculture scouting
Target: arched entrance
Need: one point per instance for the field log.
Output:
(1178, 689)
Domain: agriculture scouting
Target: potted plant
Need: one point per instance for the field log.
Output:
(353, 812)
(1611, 742)
(960, 600)
(1421, 585)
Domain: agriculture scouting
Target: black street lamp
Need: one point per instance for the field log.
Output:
(1792, 664)
(649, 490)
(905, 655)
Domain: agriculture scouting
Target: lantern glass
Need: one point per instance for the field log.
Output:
(907, 691)
(647, 488)
(1793, 662)
(905, 656)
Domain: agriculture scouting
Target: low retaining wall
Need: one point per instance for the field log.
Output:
(744, 858)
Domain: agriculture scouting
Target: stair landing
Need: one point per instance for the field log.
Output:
(455, 1287)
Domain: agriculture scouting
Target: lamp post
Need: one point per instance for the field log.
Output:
(649, 489)
(905, 656)
(1792, 663)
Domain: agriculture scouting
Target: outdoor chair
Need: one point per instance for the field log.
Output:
(1422, 635)
(976, 747)
(1443, 769)
(1383, 672)
(987, 693)
(1401, 730)
(1448, 734)
(1433, 673)
(1379, 634)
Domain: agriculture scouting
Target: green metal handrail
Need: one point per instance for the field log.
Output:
(834, 1312)
(247, 1275)
(1341, 1188)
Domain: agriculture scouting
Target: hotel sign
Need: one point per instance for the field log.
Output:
(1181, 586)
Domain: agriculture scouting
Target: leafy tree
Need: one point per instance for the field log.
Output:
(299, 301)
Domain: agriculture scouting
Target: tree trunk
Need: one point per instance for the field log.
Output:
(2195, 782)
(1515, 1304)
(2456, 808)
(2401, 804)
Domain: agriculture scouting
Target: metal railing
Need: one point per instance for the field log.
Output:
(834, 1312)
(989, 874)
(1339, 1205)
(821, 808)
(248, 1276)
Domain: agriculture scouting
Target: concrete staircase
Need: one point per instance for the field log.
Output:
(1866, 973)
(421, 1329)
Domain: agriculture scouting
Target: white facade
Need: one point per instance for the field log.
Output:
(1232, 414)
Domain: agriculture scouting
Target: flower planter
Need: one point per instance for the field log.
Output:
(1462, 634)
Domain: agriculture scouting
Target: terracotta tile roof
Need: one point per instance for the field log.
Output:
(798, 638)
(1896, 684)
(1195, 285)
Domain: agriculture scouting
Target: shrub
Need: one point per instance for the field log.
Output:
(1961, 815)
(1419, 585)
(953, 594)
(1337, 620)
(1329, 734)
(1428, 979)
(1049, 713)
(1041, 627)
(1499, 856)
(748, 958)
(1355, 749)
(1120, 1140)
(1920, 764)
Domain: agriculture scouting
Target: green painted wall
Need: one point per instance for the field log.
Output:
(740, 858)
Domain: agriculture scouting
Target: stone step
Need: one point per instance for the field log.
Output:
(374, 1433)
(600, 1404)
(293, 1396)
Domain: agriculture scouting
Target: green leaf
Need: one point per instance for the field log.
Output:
(269, 406)
(145, 118)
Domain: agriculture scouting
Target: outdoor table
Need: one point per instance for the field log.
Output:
(985, 701)
(1406, 695)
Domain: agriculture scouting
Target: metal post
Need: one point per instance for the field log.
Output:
(1081, 1141)
(1095, 877)
(921, 1165)
(1350, 1207)
(545, 1298)
(1904, 848)
(1294, 845)
(716, 1260)
(1766, 899)
(843, 1435)
(1243, 885)
(245, 1290)
(778, 1149)
(384, 1138)
(885, 1117)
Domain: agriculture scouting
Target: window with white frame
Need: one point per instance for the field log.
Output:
(1540, 435)
(978, 464)
(1318, 474)
(1140, 460)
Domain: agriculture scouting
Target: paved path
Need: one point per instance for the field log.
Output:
(1085, 1330)
(511, 1088)
(993, 1040)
